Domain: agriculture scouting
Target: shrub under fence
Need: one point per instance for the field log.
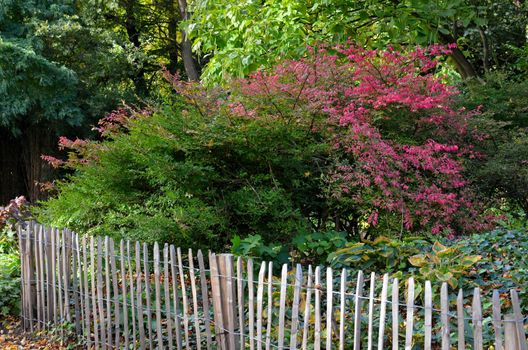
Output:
(131, 295)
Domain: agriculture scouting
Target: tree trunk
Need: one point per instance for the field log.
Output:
(173, 37)
(186, 49)
(140, 83)
(21, 167)
(12, 182)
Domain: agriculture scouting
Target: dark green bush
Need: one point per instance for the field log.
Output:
(194, 180)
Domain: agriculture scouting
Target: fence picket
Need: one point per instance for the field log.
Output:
(307, 309)
(108, 293)
(497, 320)
(184, 299)
(146, 269)
(124, 294)
(383, 310)
(157, 295)
(166, 289)
(87, 311)
(117, 308)
(521, 334)
(100, 296)
(270, 305)
(357, 310)
(317, 335)
(49, 273)
(217, 303)
(477, 320)
(132, 294)
(58, 271)
(240, 301)
(295, 307)
(460, 320)
(76, 273)
(282, 305)
(37, 279)
(175, 299)
(410, 314)
(205, 297)
(428, 317)
(39, 268)
(342, 310)
(371, 310)
(139, 298)
(395, 314)
(251, 305)
(329, 307)
(444, 306)
(260, 297)
(195, 301)
(94, 292)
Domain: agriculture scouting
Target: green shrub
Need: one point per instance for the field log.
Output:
(9, 284)
(192, 179)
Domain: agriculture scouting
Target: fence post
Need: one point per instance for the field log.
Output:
(227, 298)
(511, 341)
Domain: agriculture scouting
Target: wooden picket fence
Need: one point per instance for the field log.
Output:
(135, 296)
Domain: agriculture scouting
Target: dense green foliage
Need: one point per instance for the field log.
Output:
(194, 180)
(241, 36)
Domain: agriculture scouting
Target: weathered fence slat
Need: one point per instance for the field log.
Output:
(157, 295)
(317, 335)
(270, 305)
(124, 294)
(146, 270)
(371, 310)
(251, 305)
(205, 297)
(460, 321)
(497, 319)
(521, 334)
(342, 305)
(395, 314)
(295, 307)
(139, 298)
(307, 308)
(410, 314)
(117, 308)
(329, 306)
(282, 306)
(132, 293)
(108, 293)
(195, 301)
(240, 301)
(477, 320)
(444, 306)
(260, 302)
(175, 299)
(358, 301)
(166, 289)
(76, 290)
(183, 289)
(100, 295)
(383, 310)
(428, 315)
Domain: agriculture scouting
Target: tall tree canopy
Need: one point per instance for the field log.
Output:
(64, 64)
(242, 36)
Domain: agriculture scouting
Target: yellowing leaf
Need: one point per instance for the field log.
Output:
(417, 260)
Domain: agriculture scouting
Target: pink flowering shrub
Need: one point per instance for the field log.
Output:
(399, 143)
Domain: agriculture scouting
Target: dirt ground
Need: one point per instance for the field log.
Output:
(12, 337)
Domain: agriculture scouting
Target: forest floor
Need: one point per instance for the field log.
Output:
(13, 337)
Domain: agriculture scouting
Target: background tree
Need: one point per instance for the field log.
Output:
(64, 64)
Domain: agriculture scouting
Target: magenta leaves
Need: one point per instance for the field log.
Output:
(399, 142)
